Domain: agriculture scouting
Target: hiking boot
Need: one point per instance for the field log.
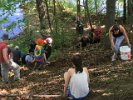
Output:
(114, 57)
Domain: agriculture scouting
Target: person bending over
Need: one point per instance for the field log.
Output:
(117, 34)
(6, 63)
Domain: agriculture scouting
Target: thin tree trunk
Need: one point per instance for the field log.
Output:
(47, 8)
(88, 14)
(41, 13)
(54, 2)
(78, 8)
(130, 11)
(124, 12)
(130, 14)
(86, 19)
(96, 7)
(54, 13)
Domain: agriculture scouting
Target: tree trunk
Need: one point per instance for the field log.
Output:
(54, 7)
(55, 18)
(41, 13)
(124, 12)
(78, 8)
(110, 14)
(47, 8)
(88, 14)
(130, 11)
(86, 18)
(110, 20)
(96, 7)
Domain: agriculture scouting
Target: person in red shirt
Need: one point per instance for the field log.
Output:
(97, 34)
(6, 64)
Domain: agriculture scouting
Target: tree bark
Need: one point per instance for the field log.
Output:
(55, 18)
(78, 8)
(88, 14)
(54, 2)
(96, 7)
(110, 20)
(130, 14)
(110, 14)
(41, 13)
(47, 9)
(124, 12)
(86, 18)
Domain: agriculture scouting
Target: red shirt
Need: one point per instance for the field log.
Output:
(97, 33)
(2, 46)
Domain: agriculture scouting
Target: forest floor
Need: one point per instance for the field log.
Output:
(108, 81)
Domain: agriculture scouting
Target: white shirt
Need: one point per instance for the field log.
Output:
(79, 86)
(29, 58)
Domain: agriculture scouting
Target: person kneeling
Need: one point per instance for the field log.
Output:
(30, 59)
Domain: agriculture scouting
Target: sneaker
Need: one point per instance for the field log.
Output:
(114, 57)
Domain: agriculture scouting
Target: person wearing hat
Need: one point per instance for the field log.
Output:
(39, 54)
(5, 62)
(117, 34)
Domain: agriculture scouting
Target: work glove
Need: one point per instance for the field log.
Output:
(129, 45)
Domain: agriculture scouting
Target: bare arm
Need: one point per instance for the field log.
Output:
(67, 77)
(5, 55)
(45, 57)
(86, 70)
(111, 38)
(122, 29)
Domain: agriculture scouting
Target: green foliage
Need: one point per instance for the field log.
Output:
(3, 20)
(62, 36)
(56, 53)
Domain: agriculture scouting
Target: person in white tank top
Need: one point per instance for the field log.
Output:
(76, 85)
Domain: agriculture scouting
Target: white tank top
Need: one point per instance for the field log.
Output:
(79, 86)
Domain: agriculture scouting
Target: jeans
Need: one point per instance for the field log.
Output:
(117, 42)
(5, 69)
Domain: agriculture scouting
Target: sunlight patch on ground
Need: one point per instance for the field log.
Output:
(105, 79)
(39, 72)
(99, 91)
(107, 94)
(3, 92)
(24, 90)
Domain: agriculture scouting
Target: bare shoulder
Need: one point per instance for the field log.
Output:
(71, 71)
(122, 29)
(85, 69)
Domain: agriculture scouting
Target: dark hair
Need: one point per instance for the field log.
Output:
(77, 61)
(5, 37)
(115, 27)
